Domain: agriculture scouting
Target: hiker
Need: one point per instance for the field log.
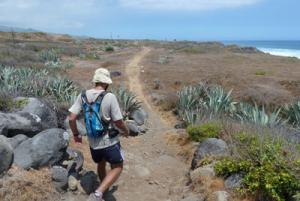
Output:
(104, 122)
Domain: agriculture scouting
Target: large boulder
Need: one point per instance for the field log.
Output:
(6, 154)
(46, 148)
(210, 147)
(16, 140)
(139, 116)
(40, 108)
(12, 124)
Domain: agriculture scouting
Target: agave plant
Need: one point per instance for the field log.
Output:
(127, 100)
(256, 115)
(30, 82)
(49, 55)
(220, 101)
(292, 113)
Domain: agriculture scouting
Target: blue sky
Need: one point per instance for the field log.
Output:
(159, 19)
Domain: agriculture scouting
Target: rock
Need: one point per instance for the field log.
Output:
(219, 196)
(41, 109)
(210, 147)
(77, 158)
(80, 126)
(234, 181)
(89, 182)
(6, 154)
(16, 140)
(60, 177)
(194, 198)
(142, 171)
(142, 129)
(72, 183)
(139, 116)
(133, 127)
(46, 148)
(180, 125)
(12, 124)
(207, 172)
(115, 73)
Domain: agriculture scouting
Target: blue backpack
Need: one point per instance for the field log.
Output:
(94, 124)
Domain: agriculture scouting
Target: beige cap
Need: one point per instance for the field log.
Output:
(102, 75)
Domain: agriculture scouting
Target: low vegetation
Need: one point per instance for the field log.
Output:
(270, 166)
(203, 101)
(201, 132)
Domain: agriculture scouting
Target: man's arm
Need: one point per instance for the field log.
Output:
(122, 126)
(73, 126)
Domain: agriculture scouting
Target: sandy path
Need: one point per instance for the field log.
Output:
(152, 171)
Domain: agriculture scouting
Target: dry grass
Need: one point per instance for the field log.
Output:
(22, 185)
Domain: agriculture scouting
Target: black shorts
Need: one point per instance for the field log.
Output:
(112, 154)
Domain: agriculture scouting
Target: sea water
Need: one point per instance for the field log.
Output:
(286, 48)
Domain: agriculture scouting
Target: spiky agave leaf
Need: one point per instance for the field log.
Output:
(292, 113)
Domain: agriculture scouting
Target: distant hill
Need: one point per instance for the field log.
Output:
(16, 29)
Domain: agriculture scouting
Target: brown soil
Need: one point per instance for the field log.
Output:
(153, 171)
(256, 77)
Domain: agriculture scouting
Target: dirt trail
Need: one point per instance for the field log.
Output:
(152, 171)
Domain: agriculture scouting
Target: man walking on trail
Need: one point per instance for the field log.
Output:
(105, 147)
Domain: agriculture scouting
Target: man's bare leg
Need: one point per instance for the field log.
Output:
(101, 170)
(111, 177)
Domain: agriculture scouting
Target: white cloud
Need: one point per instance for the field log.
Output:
(186, 4)
(50, 15)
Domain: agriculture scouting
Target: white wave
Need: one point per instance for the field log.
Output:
(281, 52)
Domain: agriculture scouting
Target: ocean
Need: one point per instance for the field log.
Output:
(286, 48)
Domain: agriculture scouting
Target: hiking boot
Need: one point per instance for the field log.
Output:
(93, 197)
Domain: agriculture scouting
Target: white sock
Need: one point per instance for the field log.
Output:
(98, 194)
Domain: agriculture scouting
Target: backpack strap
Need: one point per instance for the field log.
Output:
(84, 97)
(99, 100)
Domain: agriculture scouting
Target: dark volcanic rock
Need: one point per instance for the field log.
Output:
(60, 177)
(12, 124)
(6, 154)
(16, 140)
(41, 109)
(89, 182)
(210, 147)
(46, 148)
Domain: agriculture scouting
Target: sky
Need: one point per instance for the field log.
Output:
(158, 19)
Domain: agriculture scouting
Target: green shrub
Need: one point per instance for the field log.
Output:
(109, 48)
(292, 113)
(49, 55)
(260, 72)
(204, 131)
(270, 167)
(6, 101)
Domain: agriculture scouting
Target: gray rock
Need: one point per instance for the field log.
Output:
(6, 154)
(46, 148)
(60, 177)
(133, 127)
(12, 124)
(139, 116)
(210, 147)
(77, 160)
(72, 183)
(207, 172)
(219, 196)
(80, 126)
(234, 181)
(89, 182)
(194, 198)
(16, 140)
(41, 109)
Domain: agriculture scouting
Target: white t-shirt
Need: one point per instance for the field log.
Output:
(110, 112)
